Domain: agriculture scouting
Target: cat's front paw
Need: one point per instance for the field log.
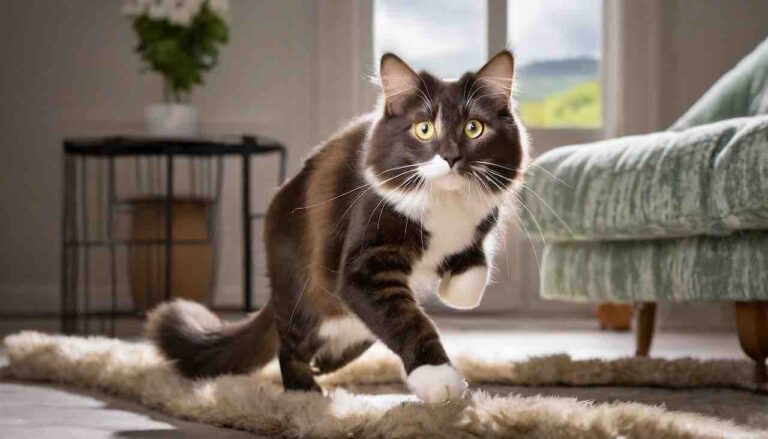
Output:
(436, 383)
(464, 290)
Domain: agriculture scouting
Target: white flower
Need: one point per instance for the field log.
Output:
(135, 8)
(184, 11)
(160, 9)
(220, 7)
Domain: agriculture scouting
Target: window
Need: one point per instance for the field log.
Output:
(445, 37)
(557, 46)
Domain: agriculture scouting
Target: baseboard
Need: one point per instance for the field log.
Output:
(46, 298)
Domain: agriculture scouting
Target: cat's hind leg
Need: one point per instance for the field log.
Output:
(342, 339)
(326, 362)
(295, 326)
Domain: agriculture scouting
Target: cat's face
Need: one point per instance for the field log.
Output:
(446, 135)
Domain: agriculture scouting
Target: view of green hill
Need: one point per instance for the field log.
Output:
(578, 107)
(560, 93)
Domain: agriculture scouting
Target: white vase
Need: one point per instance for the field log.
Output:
(171, 120)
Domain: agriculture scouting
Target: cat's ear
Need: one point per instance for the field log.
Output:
(497, 76)
(398, 80)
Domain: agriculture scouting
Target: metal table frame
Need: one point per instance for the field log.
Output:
(110, 148)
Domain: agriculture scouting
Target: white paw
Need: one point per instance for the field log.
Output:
(436, 383)
(465, 290)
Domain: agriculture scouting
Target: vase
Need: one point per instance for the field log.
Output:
(171, 120)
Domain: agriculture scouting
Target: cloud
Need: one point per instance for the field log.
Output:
(444, 37)
(449, 37)
(552, 29)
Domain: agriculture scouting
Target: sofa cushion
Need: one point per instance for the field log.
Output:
(743, 91)
(739, 184)
(637, 187)
(730, 268)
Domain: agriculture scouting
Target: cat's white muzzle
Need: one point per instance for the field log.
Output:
(438, 172)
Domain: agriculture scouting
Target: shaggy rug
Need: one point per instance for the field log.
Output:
(256, 402)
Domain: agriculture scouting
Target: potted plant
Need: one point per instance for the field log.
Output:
(180, 40)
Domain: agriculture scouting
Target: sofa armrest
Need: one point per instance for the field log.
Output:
(637, 187)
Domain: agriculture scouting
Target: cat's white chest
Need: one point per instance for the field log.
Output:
(451, 220)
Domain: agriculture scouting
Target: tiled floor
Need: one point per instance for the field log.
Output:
(41, 411)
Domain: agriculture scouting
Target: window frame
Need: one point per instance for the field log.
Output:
(545, 139)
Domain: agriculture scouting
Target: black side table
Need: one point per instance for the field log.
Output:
(76, 219)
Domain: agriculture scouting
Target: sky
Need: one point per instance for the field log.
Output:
(552, 29)
(449, 37)
(444, 36)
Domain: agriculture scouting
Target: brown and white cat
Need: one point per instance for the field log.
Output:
(402, 203)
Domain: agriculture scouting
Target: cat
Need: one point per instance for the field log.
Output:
(402, 203)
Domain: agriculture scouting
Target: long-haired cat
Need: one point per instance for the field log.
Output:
(402, 203)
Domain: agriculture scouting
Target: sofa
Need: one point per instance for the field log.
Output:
(673, 216)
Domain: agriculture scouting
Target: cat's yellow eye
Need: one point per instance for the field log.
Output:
(424, 130)
(473, 129)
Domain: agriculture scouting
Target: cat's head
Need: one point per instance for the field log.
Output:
(440, 135)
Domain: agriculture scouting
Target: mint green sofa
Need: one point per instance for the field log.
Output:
(674, 216)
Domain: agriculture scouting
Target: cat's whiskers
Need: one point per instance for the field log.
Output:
(521, 203)
(357, 188)
(501, 230)
(490, 177)
(528, 235)
(371, 186)
(525, 230)
(524, 171)
(499, 166)
(330, 199)
(296, 305)
(552, 210)
(554, 177)
(373, 212)
(559, 218)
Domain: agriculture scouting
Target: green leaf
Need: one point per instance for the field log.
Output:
(181, 54)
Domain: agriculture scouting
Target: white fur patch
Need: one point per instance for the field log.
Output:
(451, 219)
(436, 383)
(437, 171)
(450, 216)
(465, 290)
(339, 333)
(435, 168)
(407, 203)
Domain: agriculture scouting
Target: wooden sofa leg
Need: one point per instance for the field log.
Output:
(752, 324)
(644, 326)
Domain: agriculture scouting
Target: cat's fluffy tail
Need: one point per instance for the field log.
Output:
(201, 345)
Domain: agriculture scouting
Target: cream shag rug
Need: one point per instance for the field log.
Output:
(257, 403)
